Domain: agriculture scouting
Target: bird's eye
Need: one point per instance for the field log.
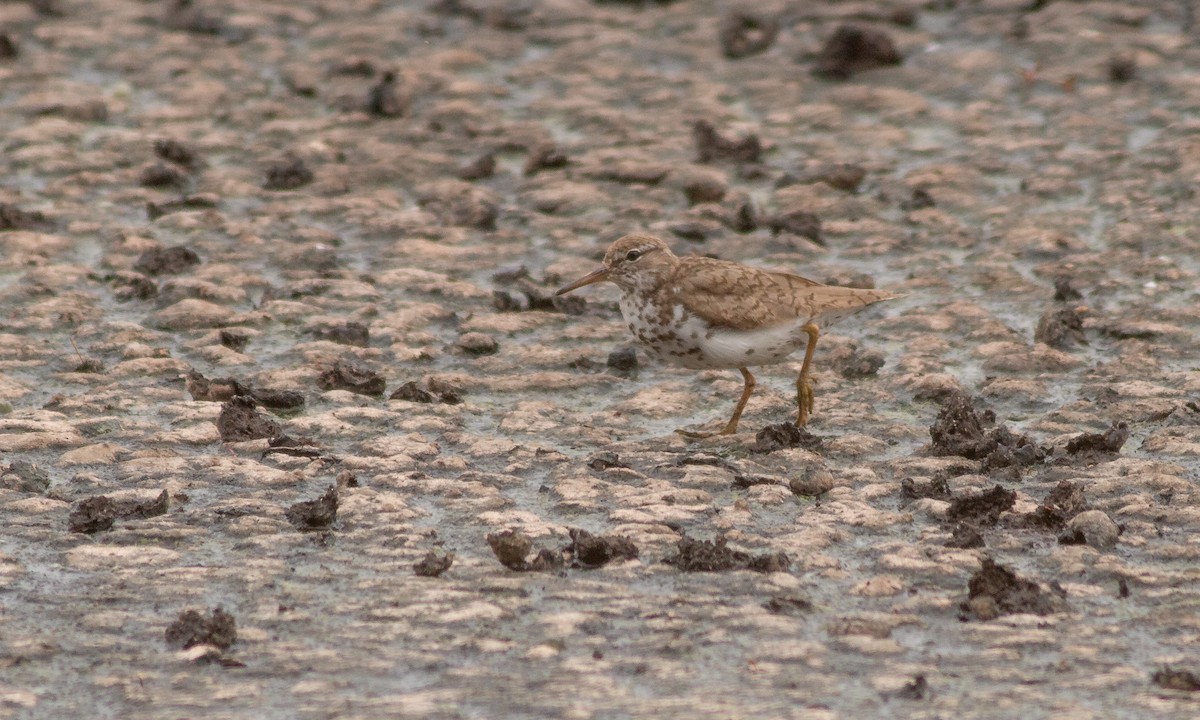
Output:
(633, 255)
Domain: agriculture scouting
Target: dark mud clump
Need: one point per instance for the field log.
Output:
(92, 515)
(744, 33)
(852, 49)
(347, 333)
(316, 514)
(179, 154)
(348, 374)
(199, 201)
(383, 99)
(959, 430)
(530, 296)
(1098, 445)
(191, 628)
(983, 508)
(278, 399)
(513, 546)
(413, 392)
(435, 562)
(480, 168)
(213, 389)
(294, 447)
(24, 476)
(1061, 328)
(1122, 68)
(707, 556)
(141, 510)
(288, 173)
(785, 435)
(862, 364)
(1064, 502)
(604, 459)
(546, 156)
(589, 551)
(841, 176)
(937, 489)
(623, 362)
(915, 689)
(132, 286)
(240, 420)
(1175, 679)
(162, 175)
(14, 218)
(797, 222)
(995, 590)
(9, 50)
(786, 605)
(712, 146)
(965, 537)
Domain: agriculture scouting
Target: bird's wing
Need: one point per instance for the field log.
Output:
(740, 297)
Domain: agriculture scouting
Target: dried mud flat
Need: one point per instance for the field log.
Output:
(290, 425)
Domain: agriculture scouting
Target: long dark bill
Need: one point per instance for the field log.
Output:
(598, 275)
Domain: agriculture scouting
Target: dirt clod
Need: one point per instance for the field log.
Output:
(813, 479)
(167, 261)
(937, 489)
(92, 515)
(1061, 327)
(176, 152)
(712, 146)
(965, 536)
(604, 460)
(1122, 68)
(707, 556)
(383, 99)
(797, 222)
(480, 168)
(546, 156)
(240, 420)
(785, 435)
(995, 588)
(744, 33)
(983, 508)
(852, 49)
(316, 514)
(287, 173)
(477, 344)
(14, 218)
(140, 510)
(1176, 679)
(24, 476)
(511, 548)
(1099, 444)
(435, 562)
(784, 605)
(191, 628)
(623, 361)
(347, 333)
(349, 374)
(590, 551)
(161, 175)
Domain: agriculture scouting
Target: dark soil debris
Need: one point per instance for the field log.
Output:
(959, 430)
(14, 218)
(983, 508)
(141, 510)
(162, 175)
(707, 556)
(202, 201)
(547, 156)
(92, 515)
(995, 590)
(178, 153)
(784, 605)
(191, 628)
(797, 222)
(480, 168)
(1176, 679)
(1061, 327)
(347, 333)
(384, 100)
(590, 551)
(349, 374)
(712, 146)
(937, 489)
(288, 173)
(623, 362)
(1099, 444)
(604, 460)
(852, 49)
(785, 435)
(240, 420)
(435, 562)
(511, 547)
(965, 537)
(744, 33)
(167, 261)
(24, 476)
(316, 514)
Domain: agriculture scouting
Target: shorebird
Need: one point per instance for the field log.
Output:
(704, 313)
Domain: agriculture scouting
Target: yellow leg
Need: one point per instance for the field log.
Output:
(731, 426)
(804, 390)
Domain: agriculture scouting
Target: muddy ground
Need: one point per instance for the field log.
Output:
(290, 426)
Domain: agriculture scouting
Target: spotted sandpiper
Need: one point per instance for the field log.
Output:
(705, 314)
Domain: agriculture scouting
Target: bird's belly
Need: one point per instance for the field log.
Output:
(686, 340)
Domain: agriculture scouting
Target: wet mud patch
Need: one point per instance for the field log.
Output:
(435, 562)
(349, 374)
(786, 435)
(1095, 447)
(694, 555)
(960, 429)
(588, 551)
(319, 514)
(240, 420)
(995, 590)
(981, 508)
(193, 628)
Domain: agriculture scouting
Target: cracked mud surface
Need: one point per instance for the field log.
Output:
(292, 265)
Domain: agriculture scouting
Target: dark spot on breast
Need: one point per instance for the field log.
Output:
(750, 351)
(695, 335)
(709, 335)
